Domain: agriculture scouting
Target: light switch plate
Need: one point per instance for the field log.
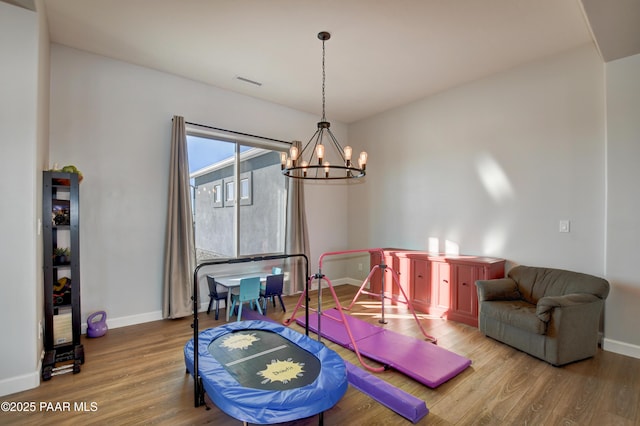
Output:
(565, 226)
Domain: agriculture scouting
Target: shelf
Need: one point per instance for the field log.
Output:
(62, 309)
(62, 315)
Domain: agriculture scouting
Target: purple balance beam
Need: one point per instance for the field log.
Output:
(403, 403)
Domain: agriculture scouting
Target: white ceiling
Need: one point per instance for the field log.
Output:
(382, 53)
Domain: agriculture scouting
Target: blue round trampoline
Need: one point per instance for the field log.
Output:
(262, 372)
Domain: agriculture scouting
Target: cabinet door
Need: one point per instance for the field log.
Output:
(421, 285)
(440, 286)
(375, 283)
(390, 261)
(390, 288)
(404, 279)
(466, 299)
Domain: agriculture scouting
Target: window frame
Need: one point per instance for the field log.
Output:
(239, 140)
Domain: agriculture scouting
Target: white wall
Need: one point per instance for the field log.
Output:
(622, 333)
(492, 167)
(113, 121)
(21, 139)
(541, 129)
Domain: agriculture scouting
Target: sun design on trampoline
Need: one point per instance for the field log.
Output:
(239, 341)
(282, 371)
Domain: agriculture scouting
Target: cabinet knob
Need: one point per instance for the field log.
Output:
(419, 276)
(445, 281)
(464, 283)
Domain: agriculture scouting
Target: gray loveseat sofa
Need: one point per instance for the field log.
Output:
(551, 314)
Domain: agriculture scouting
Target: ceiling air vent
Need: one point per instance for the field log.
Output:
(246, 80)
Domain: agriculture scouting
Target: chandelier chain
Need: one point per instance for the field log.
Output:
(324, 118)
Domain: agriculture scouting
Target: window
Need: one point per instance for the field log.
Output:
(223, 227)
(229, 192)
(217, 194)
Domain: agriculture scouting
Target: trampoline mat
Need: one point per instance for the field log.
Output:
(263, 359)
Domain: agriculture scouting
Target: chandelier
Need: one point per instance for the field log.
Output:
(313, 161)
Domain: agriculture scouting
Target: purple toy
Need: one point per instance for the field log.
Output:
(97, 327)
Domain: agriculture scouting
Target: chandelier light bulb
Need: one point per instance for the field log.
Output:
(320, 153)
(293, 152)
(283, 160)
(326, 169)
(362, 160)
(347, 155)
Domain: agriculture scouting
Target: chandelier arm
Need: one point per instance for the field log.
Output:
(336, 144)
(315, 136)
(318, 140)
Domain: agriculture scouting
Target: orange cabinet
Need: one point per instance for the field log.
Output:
(438, 284)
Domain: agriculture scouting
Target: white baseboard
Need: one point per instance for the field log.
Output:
(129, 320)
(20, 383)
(621, 348)
(351, 281)
(336, 282)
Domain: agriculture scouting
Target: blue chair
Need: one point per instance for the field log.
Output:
(273, 288)
(214, 294)
(249, 292)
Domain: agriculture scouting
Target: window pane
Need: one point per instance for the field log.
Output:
(262, 204)
(217, 193)
(262, 212)
(210, 164)
(229, 191)
(244, 189)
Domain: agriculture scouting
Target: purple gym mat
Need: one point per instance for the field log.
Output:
(425, 362)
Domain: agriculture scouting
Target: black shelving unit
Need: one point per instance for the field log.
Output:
(61, 248)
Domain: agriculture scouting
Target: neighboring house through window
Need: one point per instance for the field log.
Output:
(223, 227)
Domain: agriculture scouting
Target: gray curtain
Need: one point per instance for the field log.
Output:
(179, 248)
(297, 239)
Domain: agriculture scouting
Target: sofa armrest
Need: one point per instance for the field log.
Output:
(546, 304)
(497, 289)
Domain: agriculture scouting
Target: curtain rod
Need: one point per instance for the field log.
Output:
(235, 133)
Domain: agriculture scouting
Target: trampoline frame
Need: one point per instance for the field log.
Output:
(198, 388)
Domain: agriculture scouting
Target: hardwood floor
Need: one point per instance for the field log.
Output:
(136, 375)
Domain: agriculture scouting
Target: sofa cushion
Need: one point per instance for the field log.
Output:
(497, 289)
(535, 283)
(517, 313)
